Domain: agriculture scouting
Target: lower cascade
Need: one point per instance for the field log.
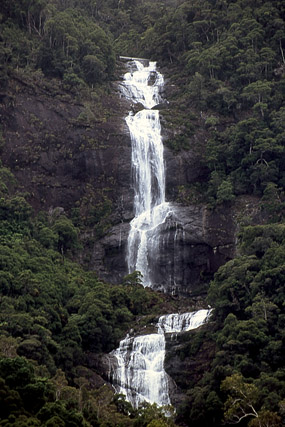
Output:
(139, 369)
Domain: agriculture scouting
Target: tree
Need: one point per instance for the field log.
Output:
(198, 91)
(152, 415)
(242, 399)
(8, 346)
(243, 402)
(225, 192)
(272, 201)
(93, 69)
(134, 278)
(266, 419)
(60, 382)
(258, 92)
(67, 234)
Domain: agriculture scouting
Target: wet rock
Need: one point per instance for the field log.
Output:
(184, 365)
(60, 163)
(193, 243)
(135, 108)
(109, 254)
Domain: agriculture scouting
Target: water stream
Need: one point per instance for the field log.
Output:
(139, 370)
(143, 86)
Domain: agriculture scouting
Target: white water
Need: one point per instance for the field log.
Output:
(151, 211)
(137, 85)
(139, 369)
(139, 373)
(172, 323)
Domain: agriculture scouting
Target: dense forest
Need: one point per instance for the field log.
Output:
(225, 61)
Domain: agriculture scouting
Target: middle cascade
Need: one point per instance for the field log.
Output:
(143, 86)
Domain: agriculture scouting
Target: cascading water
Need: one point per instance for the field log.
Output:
(139, 373)
(143, 86)
(175, 323)
(139, 370)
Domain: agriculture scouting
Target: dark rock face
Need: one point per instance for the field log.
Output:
(193, 244)
(184, 368)
(72, 154)
(108, 256)
(182, 169)
(66, 156)
(55, 150)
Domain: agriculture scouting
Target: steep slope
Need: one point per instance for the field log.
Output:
(63, 137)
(72, 154)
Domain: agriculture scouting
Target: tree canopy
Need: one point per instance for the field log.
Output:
(225, 65)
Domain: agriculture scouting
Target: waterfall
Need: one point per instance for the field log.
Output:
(140, 373)
(143, 86)
(174, 323)
(139, 370)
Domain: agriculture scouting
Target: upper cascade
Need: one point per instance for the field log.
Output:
(147, 160)
(143, 85)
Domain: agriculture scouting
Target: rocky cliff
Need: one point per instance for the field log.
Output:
(71, 150)
(71, 153)
(187, 360)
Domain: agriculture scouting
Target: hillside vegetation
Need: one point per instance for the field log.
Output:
(225, 62)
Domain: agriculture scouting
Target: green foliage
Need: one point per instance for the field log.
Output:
(226, 60)
(63, 41)
(15, 209)
(243, 401)
(94, 211)
(7, 181)
(67, 234)
(150, 415)
(53, 312)
(246, 379)
(247, 293)
(29, 399)
(225, 192)
(272, 202)
(72, 80)
(178, 142)
(55, 308)
(134, 278)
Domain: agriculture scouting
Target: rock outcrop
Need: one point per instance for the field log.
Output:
(184, 365)
(57, 145)
(75, 153)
